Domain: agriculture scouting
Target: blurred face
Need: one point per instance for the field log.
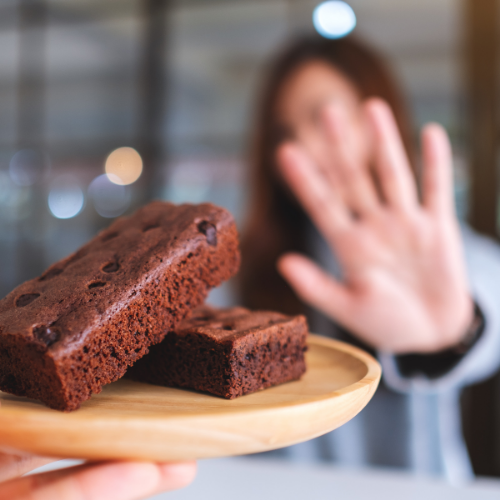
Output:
(302, 100)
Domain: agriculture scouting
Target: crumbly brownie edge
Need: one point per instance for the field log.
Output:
(276, 356)
(105, 353)
(24, 372)
(191, 361)
(262, 358)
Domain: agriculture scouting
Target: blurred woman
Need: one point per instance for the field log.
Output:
(387, 266)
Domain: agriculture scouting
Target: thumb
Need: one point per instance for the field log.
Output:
(314, 286)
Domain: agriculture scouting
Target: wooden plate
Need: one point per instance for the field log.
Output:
(133, 420)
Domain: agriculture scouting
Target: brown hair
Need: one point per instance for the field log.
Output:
(276, 222)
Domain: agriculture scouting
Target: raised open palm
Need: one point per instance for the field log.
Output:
(404, 286)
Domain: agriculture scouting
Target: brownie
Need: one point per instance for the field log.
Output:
(92, 315)
(228, 352)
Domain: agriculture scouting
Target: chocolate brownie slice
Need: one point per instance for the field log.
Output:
(89, 317)
(227, 352)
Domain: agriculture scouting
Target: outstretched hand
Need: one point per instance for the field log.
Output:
(92, 481)
(404, 286)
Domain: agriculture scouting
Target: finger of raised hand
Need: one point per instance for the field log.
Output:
(356, 183)
(16, 465)
(106, 481)
(391, 162)
(311, 189)
(315, 287)
(437, 175)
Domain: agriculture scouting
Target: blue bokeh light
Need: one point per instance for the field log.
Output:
(334, 19)
(66, 198)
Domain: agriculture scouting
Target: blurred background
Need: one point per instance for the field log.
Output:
(105, 105)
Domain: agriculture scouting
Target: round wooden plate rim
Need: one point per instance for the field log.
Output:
(373, 374)
(228, 430)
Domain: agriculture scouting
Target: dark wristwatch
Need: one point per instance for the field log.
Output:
(473, 333)
(439, 363)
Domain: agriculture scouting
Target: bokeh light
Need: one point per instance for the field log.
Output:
(124, 166)
(109, 197)
(28, 166)
(66, 198)
(334, 19)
